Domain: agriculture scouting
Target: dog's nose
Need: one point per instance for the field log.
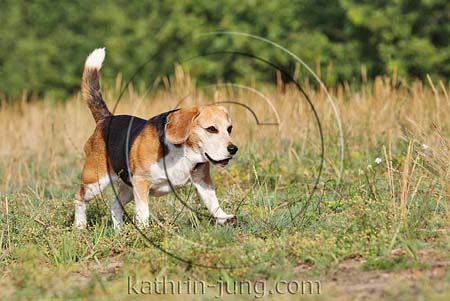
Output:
(232, 149)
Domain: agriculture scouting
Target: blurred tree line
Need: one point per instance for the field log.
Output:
(44, 43)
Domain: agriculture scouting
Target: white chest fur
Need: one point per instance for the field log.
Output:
(176, 167)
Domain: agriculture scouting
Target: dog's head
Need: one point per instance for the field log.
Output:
(205, 129)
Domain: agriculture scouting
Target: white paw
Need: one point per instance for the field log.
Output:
(142, 224)
(117, 224)
(117, 220)
(79, 225)
(227, 219)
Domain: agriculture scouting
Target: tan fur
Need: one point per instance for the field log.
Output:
(95, 165)
(211, 115)
(146, 150)
(180, 123)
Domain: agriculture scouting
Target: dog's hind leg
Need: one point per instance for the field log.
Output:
(88, 192)
(94, 178)
(125, 195)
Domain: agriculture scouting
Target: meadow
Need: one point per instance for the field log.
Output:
(374, 225)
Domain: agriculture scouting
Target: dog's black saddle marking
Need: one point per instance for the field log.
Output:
(115, 131)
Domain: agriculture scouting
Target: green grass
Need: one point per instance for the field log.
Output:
(43, 257)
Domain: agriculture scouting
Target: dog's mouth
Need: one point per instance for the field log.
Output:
(223, 162)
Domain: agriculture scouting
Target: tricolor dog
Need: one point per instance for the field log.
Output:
(149, 157)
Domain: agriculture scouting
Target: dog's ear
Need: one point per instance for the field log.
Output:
(179, 124)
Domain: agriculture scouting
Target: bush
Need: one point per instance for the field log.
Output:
(44, 43)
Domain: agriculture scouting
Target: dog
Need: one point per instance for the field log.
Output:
(150, 157)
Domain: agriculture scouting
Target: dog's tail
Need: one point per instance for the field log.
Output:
(90, 87)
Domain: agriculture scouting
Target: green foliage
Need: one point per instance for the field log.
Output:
(389, 263)
(44, 43)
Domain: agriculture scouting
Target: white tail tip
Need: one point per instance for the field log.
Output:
(95, 59)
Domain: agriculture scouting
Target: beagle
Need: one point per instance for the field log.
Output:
(150, 157)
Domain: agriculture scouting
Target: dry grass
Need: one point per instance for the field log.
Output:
(384, 214)
(50, 133)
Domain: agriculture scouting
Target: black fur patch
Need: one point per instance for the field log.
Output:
(160, 122)
(114, 132)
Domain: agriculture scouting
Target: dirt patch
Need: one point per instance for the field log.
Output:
(349, 280)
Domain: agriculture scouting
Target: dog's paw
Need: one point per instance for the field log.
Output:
(142, 225)
(79, 225)
(229, 219)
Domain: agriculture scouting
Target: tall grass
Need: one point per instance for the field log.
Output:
(37, 137)
(42, 141)
(376, 208)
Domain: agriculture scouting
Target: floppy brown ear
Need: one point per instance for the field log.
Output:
(179, 124)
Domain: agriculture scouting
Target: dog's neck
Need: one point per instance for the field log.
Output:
(187, 156)
(193, 155)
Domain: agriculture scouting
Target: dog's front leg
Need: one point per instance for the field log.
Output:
(202, 181)
(141, 186)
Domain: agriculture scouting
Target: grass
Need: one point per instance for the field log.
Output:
(389, 218)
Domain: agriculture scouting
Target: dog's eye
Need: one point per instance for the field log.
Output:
(212, 129)
(229, 129)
